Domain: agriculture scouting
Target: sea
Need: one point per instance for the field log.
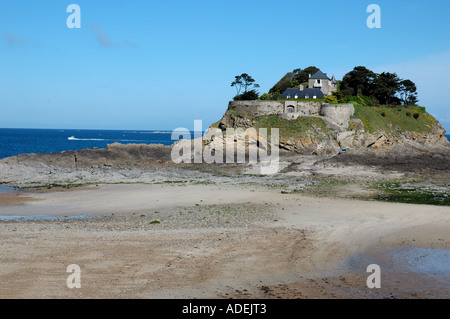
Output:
(19, 141)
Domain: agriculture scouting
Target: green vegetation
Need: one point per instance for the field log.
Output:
(295, 191)
(302, 126)
(203, 183)
(392, 120)
(413, 194)
(326, 187)
(245, 82)
(55, 185)
(360, 85)
(385, 88)
(330, 99)
(292, 79)
(247, 96)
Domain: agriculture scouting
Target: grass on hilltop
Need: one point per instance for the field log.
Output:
(394, 119)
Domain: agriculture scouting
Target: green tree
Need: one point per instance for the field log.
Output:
(284, 83)
(293, 79)
(358, 81)
(246, 96)
(265, 96)
(385, 88)
(408, 92)
(413, 100)
(340, 97)
(303, 75)
(243, 81)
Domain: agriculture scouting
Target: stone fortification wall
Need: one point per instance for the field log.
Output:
(275, 107)
(339, 115)
(257, 107)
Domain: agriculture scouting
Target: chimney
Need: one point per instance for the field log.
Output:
(301, 87)
(310, 75)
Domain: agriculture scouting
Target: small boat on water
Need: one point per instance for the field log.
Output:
(72, 138)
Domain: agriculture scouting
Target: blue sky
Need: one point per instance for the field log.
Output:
(163, 64)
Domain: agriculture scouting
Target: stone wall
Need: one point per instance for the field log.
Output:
(291, 109)
(257, 107)
(276, 107)
(339, 114)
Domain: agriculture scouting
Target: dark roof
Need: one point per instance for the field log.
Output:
(301, 93)
(319, 75)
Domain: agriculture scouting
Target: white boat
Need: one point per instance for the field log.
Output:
(72, 138)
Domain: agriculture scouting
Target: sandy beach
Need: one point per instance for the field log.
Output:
(194, 240)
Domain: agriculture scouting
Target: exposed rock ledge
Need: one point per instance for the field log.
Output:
(117, 155)
(143, 156)
(331, 140)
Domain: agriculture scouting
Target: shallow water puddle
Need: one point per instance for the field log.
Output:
(406, 264)
(4, 188)
(430, 261)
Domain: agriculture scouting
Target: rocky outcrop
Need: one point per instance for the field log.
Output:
(235, 120)
(344, 132)
(358, 139)
(115, 155)
(309, 145)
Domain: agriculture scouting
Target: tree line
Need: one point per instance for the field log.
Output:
(385, 88)
(372, 88)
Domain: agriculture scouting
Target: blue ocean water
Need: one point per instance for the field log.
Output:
(20, 141)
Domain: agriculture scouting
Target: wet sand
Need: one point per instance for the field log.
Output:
(215, 241)
(12, 198)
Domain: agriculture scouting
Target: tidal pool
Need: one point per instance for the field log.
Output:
(4, 188)
(430, 261)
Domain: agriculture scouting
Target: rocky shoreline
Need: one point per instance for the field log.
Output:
(141, 163)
